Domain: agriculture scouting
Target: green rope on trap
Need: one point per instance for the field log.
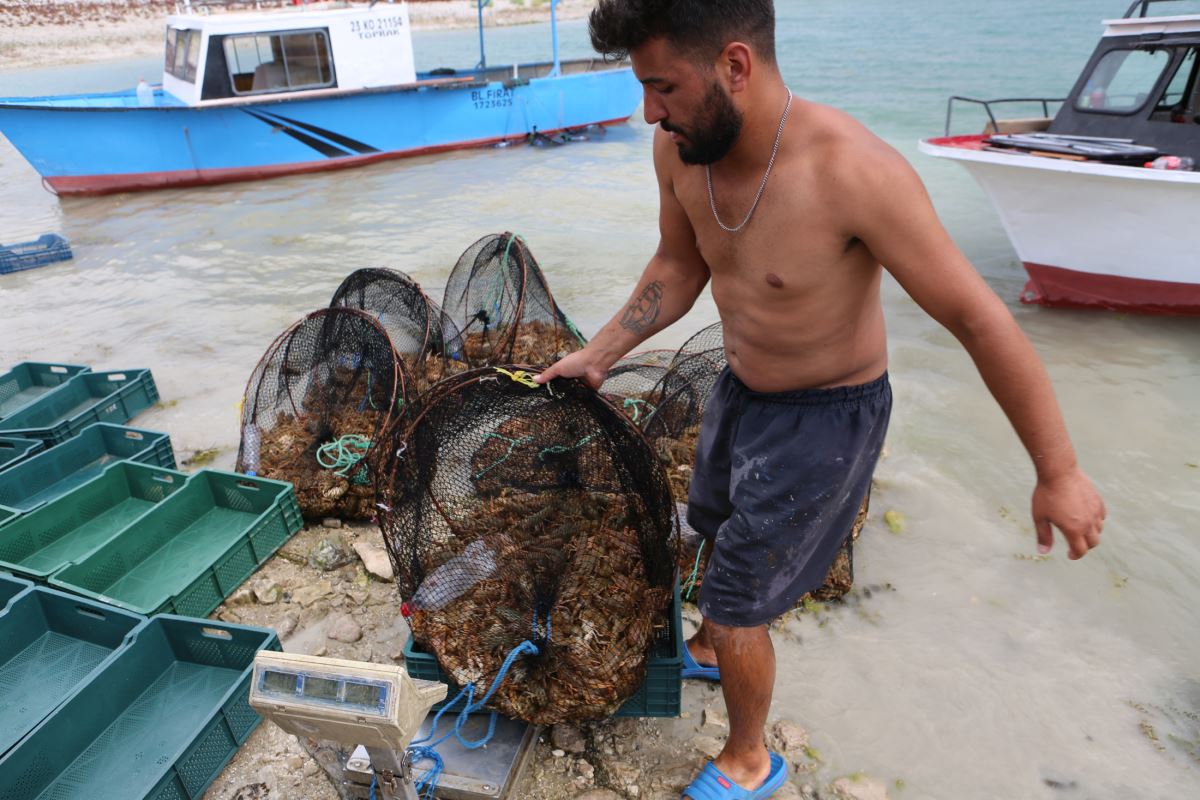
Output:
(636, 404)
(513, 444)
(571, 327)
(690, 584)
(558, 448)
(342, 454)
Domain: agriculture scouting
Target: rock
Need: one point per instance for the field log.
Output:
(242, 597)
(229, 616)
(585, 769)
(396, 651)
(788, 791)
(375, 559)
(624, 727)
(859, 787)
(343, 628)
(807, 792)
(318, 650)
(311, 769)
(633, 790)
(708, 746)
(253, 791)
(623, 774)
(294, 763)
(788, 737)
(568, 738)
(716, 719)
(329, 554)
(287, 624)
(598, 794)
(358, 596)
(310, 593)
(331, 522)
(267, 592)
(558, 753)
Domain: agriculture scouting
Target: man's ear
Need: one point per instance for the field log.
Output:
(735, 63)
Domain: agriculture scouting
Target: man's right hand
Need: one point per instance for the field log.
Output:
(581, 364)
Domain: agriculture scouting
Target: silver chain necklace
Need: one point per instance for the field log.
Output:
(762, 187)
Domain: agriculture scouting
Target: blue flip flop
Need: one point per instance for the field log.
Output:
(693, 669)
(712, 784)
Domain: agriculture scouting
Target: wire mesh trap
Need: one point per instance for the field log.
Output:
(522, 512)
(315, 406)
(498, 300)
(415, 323)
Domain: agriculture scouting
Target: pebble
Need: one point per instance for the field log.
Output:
(318, 650)
(568, 738)
(358, 596)
(343, 628)
(267, 593)
(294, 763)
(287, 624)
(375, 558)
(708, 746)
(585, 769)
(789, 736)
(329, 554)
(859, 788)
(242, 597)
(331, 522)
(310, 593)
(598, 794)
(558, 753)
(714, 718)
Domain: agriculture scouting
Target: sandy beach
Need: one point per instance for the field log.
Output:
(45, 33)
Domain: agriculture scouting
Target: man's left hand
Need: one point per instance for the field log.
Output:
(1070, 503)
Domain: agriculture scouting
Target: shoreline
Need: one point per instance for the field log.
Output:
(62, 32)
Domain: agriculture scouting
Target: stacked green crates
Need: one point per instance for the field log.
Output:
(86, 398)
(51, 474)
(14, 450)
(159, 721)
(30, 381)
(191, 551)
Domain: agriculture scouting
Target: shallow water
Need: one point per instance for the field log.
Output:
(979, 673)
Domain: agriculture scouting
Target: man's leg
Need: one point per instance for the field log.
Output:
(747, 661)
(701, 646)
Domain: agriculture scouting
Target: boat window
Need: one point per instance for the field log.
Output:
(1122, 81)
(279, 62)
(183, 53)
(1179, 102)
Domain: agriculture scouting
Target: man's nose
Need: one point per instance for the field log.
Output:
(653, 110)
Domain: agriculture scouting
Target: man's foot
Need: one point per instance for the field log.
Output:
(694, 669)
(714, 784)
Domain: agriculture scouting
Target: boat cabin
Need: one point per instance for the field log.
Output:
(1140, 84)
(213, 56)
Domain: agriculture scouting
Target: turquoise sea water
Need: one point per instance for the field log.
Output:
(984, 674)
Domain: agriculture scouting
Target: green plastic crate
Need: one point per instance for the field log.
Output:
(30, 381)
(50, 644)
(116, 396)
(70, 527)
(192, 550)
(14, 450)
(8, 514)
(159, 722)
(51, 474)
(660, 694)
(10, 587)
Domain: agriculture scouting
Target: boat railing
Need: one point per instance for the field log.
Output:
(1141, 8)
(206, 6)
(988, 104)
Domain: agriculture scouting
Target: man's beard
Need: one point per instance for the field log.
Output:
(715, 131)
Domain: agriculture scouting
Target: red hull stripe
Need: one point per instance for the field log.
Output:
(138, 181)
(1068, 288)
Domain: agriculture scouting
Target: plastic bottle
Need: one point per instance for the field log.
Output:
(145, 95)
(1177, 163)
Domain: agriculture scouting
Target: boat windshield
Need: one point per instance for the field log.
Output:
(278, 62)
(1123, 80)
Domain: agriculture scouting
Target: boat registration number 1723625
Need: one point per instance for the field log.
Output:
(492, 98)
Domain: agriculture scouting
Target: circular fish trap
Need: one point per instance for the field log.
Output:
(499, 301)
(418, 328)
(315, 406)
(520, 512)
(630, 382)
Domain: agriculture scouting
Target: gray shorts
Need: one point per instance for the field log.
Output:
(779, 478)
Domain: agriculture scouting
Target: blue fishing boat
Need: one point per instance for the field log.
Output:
(255, 93)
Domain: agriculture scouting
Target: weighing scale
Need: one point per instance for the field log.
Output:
(373, 712)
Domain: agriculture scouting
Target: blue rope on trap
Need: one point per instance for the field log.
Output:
(424, 749)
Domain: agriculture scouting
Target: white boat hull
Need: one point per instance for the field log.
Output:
(1092, 234)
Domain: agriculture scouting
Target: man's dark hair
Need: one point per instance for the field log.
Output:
(699, 28)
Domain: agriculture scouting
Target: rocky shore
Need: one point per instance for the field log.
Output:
(40, 33)
(329, 592)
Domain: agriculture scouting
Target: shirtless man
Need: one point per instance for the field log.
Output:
(802, 208)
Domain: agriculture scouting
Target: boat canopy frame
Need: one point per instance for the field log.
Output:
(987, 106)
(1141, 8)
